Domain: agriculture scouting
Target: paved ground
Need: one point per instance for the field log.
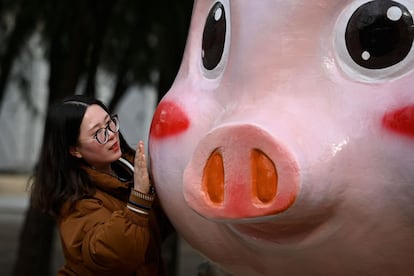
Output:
(13, 204)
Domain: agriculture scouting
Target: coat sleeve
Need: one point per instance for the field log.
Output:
(103, 240)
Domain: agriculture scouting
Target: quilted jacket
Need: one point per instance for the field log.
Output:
(101, 236)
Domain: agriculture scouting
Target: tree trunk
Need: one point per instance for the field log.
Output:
(122, 82)
(24, 26)
(103, 11)
(35, 245)
(70, 45)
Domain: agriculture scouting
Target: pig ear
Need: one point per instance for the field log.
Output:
(216, 39)
(374, 39)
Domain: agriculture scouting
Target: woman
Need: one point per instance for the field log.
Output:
(109, 219)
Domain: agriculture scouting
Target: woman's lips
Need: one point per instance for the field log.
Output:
(115, 147)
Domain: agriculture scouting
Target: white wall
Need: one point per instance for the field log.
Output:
(21, 129)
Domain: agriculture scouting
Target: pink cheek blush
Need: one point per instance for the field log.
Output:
(400, 121)
(168, 120)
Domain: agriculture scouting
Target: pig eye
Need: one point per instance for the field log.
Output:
(379, 34)
(377, 38)
(215, 35)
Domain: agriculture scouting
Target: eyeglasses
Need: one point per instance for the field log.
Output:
(102, 135)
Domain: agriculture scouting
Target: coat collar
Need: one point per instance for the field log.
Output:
(116, 185)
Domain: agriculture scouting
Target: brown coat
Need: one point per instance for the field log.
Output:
(101, 236)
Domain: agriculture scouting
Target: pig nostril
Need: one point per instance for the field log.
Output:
(213, 177)
(264, 176)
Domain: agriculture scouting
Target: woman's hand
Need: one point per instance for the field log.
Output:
(141, 178)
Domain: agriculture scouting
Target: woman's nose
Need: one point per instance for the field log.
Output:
(111, 134)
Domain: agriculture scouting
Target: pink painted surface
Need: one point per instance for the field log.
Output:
(286, 144)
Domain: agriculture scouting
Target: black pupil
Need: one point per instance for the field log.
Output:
(214, 37)
(379, 34)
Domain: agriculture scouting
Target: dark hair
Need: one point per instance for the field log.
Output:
(57, 176)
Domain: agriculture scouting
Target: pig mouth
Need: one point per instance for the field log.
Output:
(287, 232)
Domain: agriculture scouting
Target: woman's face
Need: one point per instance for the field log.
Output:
(99, 156)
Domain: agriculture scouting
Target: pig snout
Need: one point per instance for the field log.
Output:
(239, 172)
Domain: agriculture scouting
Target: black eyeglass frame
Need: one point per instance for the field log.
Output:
(113, 119)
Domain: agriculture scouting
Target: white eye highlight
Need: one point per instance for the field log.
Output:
(365, 55)
(394, 13)
(218, 14)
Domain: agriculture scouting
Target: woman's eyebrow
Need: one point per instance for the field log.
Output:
(99, 124)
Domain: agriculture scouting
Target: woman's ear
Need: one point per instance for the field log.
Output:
(74, 151)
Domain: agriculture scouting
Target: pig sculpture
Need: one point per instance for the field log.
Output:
(285, 145)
